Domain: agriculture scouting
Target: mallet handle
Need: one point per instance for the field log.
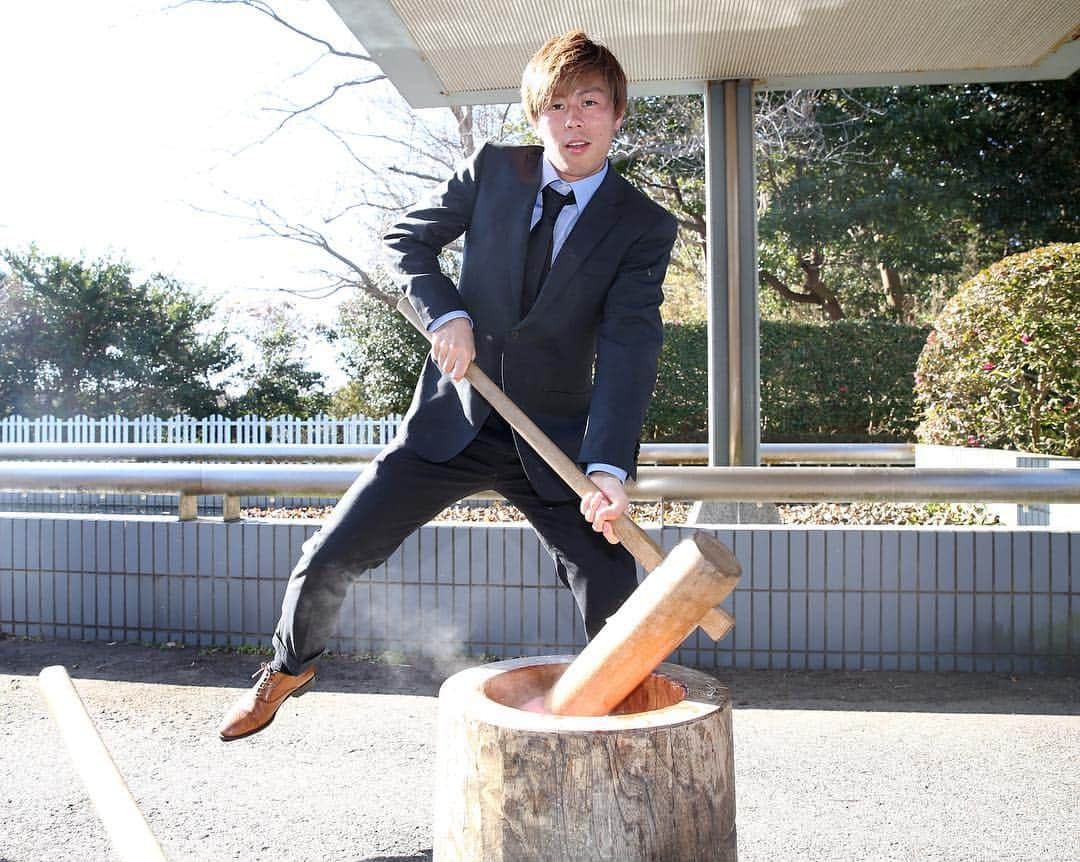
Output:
(633, 538)
(717, 622)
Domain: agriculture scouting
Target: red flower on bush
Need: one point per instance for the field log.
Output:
(843, 388)
(1025, 339)
(988, 366)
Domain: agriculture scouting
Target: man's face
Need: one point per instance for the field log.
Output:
(577, 127)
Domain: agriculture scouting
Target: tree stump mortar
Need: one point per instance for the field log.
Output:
(653, 781)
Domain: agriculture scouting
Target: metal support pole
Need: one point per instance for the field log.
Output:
(230, 508)
(189, 507)
(731, 265)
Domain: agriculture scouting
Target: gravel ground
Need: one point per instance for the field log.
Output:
(829, 765)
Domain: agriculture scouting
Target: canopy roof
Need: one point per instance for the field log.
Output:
(446, 52)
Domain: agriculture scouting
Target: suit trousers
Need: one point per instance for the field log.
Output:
(400, 491)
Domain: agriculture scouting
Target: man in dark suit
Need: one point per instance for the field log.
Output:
(558, 300)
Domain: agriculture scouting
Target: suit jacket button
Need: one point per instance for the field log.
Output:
(514, 335)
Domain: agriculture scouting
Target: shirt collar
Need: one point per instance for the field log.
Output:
(583, 189)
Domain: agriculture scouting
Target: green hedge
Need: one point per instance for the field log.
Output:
(842, 381)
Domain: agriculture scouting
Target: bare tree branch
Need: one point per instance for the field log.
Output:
(348, 148)
(782, 288)
(419, 175)
(267, 10)
(293, 113)
(310, 236)
(387, 182)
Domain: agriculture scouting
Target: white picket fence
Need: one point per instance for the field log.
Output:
(358, 430)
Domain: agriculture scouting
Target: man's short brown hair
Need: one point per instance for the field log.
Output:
(560, 62)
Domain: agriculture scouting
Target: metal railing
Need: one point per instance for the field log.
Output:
(651, 453)
(742, 484)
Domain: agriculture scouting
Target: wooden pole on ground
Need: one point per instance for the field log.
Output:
(128, 831)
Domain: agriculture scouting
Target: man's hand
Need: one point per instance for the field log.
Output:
(453, 347)
(602, 507)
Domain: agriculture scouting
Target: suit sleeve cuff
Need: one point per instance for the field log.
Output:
(446, 318)
(606, 468)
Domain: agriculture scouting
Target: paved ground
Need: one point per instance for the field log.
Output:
(829, 765)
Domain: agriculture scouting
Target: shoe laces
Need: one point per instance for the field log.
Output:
(266, 672)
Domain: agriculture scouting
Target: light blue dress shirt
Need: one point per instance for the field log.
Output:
(583, 191)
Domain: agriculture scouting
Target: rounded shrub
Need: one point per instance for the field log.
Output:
(1001, 368)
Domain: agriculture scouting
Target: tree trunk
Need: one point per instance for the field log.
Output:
(654, 781)
(813, 284)
(895, 295)
(813, 289)
(464, 116)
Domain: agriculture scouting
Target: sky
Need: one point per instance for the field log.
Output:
(141, 128)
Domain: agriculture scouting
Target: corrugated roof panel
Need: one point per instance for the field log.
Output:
(478, 45)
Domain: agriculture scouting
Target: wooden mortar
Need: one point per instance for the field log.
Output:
(653, 781)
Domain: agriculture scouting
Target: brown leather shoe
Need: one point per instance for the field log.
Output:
(256, 709)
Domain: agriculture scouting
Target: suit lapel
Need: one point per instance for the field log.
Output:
(600, 216)
(519, 214)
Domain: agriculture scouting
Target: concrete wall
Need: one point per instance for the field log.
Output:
(963, 598)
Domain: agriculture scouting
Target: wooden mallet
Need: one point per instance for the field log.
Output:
(693, 580)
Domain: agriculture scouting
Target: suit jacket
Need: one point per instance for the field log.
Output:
(582, 363)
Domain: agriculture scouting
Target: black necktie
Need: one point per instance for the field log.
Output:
(541, 242)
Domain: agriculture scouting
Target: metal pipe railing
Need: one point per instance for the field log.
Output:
(859, 484)
(743, 484)
(651, 453)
